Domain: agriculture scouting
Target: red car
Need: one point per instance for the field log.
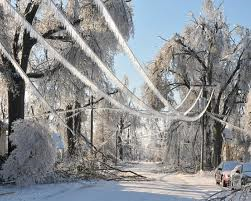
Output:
(222, 173)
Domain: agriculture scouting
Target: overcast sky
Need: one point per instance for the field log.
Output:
(153, 18)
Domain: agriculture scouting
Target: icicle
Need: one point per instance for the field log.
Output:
(193, 105)
(91, 54)
(183, 101)
(111, 24)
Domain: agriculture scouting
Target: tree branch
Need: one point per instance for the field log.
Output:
(49, 34)
(191, 52)
(228, 82)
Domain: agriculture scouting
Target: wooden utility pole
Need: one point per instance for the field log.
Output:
(202, 132)
(120, 138)
(202, 144)
(178, 150)
(119, 148)
(70, 136)
(116, 160)
(91, 102)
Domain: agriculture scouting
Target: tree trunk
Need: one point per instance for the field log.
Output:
(16, 100)
(120, 148)
(208, 143)
(15, 107)
(217, 143)
(77, 124)
(16, 97)
(208, 147)
(70, 136)
(73, 121)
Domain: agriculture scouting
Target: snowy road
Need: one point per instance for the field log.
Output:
(163, 187)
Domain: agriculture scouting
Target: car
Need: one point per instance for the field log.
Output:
(222, 173)
(241, 175)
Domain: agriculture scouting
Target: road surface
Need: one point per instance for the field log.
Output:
(161, 187)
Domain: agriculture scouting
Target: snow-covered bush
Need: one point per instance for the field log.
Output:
(34, 155)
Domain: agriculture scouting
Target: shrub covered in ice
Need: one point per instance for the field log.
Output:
(34, 155)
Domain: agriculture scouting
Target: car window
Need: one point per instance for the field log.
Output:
(220, 166)
(238, 167)
(229, 165)
(246, 167)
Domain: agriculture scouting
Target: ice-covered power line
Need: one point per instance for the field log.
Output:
(113, 27)
(53, 53)
(20, 19)
(81, 109)
(39, 95)
(91, 54)
(33, 87)
(185, 98)
(136, 64)
(195, 118)
(195, 102)
(228, 124)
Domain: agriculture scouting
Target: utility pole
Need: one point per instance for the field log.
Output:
(202, 144)
(116, 160)
(178, 150)
(128, 135)
(202, 132)
(92, 114)
(92, 120)
(119, 141)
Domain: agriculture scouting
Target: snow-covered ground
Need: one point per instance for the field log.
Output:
(162, 187)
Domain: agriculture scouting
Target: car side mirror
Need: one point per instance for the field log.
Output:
(238, 171)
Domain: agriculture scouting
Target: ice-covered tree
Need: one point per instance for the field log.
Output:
(248, 113)
(34, 155)
(61, 88)
(208, 52)
(117, 138)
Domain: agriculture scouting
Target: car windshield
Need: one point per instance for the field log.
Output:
(247, 167)
(230, 165)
